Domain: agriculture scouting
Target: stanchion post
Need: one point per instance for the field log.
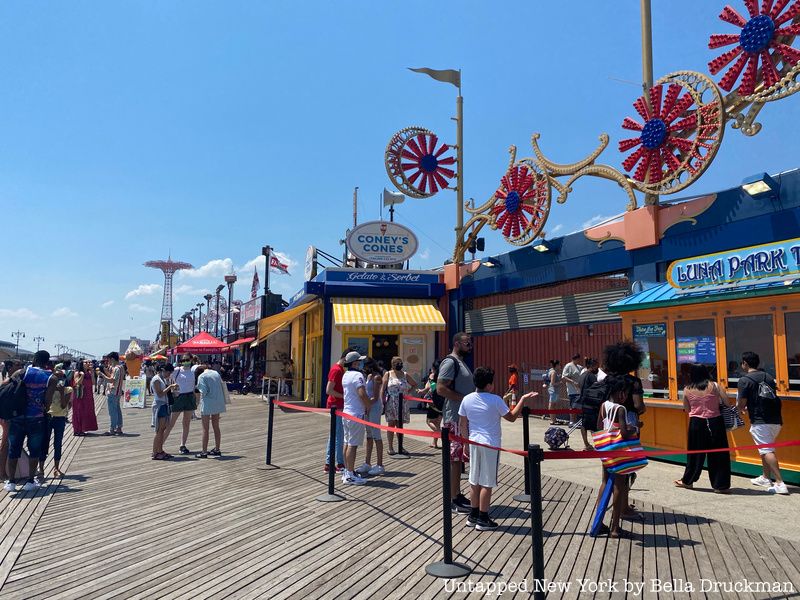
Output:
(526, 497)
(331, 496)
(401, 452)
(535, 458)
(270, 418)
(447, 568)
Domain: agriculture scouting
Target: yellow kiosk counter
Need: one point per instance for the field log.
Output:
(711, 317)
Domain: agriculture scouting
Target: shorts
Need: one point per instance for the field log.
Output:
(456, 446)
(163, 412)
(574, 401)
(552, 395)
(764, 434)
(374, 416)
(432, 414)
(25, 427)
(353, 431)
(483, 468)
(184, 402)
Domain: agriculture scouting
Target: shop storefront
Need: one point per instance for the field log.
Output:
(381, 312)
(712, 309)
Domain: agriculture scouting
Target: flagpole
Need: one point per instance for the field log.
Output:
(460, 158)
(647, 68)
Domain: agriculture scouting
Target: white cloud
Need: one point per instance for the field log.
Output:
(425, 254)
(139, 308)
(63, 312)
(187, 290)
(106, 304)
(145, 289)
(18, 313)
(213, 268)
(594, 221)
(556, 229)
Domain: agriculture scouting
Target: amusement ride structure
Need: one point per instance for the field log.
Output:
(680, 125)
(168, 267)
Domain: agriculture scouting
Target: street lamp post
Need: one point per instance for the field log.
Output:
(230, 280)
(220, 287)
(200, 317)
(17, 334)
(38, 339)
(267, 252)
(208, 298)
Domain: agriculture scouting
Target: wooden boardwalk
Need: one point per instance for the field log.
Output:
(120, 525)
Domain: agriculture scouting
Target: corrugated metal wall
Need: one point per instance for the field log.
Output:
(568, 288)
(534, 348)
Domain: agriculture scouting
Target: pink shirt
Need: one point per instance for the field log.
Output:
(703, 403)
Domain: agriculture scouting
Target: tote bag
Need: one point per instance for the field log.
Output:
(731, 416)
(612, 439)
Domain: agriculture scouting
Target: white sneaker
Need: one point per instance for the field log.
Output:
(29, 486)
(377, 470)
(10, 486)
(38, 482)
(778, 488)
(761, 481)
(352, 479)
(363, 469)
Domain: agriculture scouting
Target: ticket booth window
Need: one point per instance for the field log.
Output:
(654, 370)
(753, 333)
(793, 349)
(695, 342)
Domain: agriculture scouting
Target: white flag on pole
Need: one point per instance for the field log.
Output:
(390, 198)
(444, 75)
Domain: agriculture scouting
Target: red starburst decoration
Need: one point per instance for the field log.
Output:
(523, 202)
(425, 168)
(664, 138)
(761, 43)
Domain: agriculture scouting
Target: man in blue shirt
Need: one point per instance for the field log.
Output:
(40, 385)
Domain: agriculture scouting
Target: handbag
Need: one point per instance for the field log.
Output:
(731, 416)
(170, 398)
(13, 398)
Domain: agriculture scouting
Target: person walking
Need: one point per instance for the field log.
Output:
(5, 424)
(512, 393)
(117, 382)
(480, 413)
(571, 376)
(374, 376)
(212, 405)
(336, 400)
(395, 385)
(553, 380)
(161, 388)
(356, 404)
(588, 416)
(84, 418)
(185, 404)
(757, 393)
(56, 423)
(701, 399)
(455, 382)
(40, 387)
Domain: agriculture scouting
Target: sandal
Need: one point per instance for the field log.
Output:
(215, 452)
(679, 483)
(391, 453)
(604, 530)
(201, 455)
(617, 534)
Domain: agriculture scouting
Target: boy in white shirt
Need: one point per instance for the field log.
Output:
(356, 404)
(480, 413)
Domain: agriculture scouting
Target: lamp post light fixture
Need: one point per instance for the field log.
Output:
(760, 185)
(38, 339)
(542, 246)
(17, 334)
(230, 280)
(220, 287)
(208, 298)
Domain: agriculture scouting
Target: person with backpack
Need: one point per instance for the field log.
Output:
(433, 415)
(757, 393)
(701, 399)
(39, 386)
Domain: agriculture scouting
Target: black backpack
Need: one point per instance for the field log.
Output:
(592, 398)
(13, 398)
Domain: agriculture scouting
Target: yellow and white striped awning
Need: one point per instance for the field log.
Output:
(378, 315)
(277, 322)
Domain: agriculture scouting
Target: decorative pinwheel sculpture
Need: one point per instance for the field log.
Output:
(682, 129)
(763, 52)
(521, 204)
(417, 163)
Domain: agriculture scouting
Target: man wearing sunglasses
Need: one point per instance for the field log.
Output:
(455, 382)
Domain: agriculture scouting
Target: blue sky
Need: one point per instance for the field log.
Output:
(207, 129)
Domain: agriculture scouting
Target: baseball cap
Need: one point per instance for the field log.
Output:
(353, 357)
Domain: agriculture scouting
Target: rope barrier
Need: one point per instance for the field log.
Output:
(548, 455)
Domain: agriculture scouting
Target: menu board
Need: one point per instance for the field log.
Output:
(699, 349)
